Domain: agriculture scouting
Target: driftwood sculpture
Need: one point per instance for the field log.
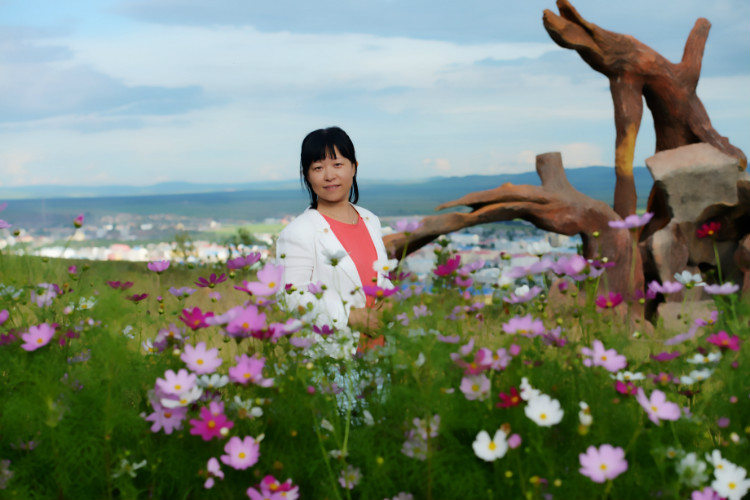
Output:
(635, 72)
(554, 206)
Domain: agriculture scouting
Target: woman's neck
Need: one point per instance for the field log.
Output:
(342, 212)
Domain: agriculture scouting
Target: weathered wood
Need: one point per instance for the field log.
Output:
(635, 72)
(554, 206)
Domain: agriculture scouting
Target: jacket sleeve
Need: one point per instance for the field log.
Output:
(296, 251)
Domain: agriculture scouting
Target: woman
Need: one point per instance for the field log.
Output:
(333, 242)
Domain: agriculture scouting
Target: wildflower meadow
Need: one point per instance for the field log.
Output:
(167, 380)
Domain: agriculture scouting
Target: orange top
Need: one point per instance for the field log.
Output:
(356, 240)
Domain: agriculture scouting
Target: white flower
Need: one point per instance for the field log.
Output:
(585, 414)
(699, 375)
(369, 420)
(128, 468)
(337, 454)
(505, 281)
(334, 257)
(717, 461)
(528, 392)
(700, 359)
(86, 303)
(185, 398)
(325, 424)
(488, 449)
(126, 331)
(420, 360)
(385, 266)
(628, 376)
(148, 346)
(692, 471)
(213, 381)
(544, 411)
(688, 279)
(730, 482)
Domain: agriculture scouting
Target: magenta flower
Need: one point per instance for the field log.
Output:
(528, 271)
(37, 336)
(211, 282)
(657, 407)
(158, 266)
(241, 453)
(609, 301)
(727, 288)
(570, 266)
(609, 359)
(195, 318)
(627, 388)
(721, 339)
(631, 221)
(708, 230)
(201, 360)
(605, 462)
(378, 292)
(78, 221)
(665, 356)
(120, 286)
(212, 422)
(524, 325)
(269, 281)
(462, 282)
(449, 267)
(137, 297)
(249, 370)
(240, 262)
(509, 400)
(271, 488)
(665, 288)
(4, 314)
(175, 384)
(246, 322)
(705, 494)
(168, 419)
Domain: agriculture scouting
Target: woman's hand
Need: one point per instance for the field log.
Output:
(366, 320)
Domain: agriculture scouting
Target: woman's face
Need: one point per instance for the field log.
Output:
(331, 179)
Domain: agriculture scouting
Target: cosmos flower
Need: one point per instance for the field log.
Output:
(544, 410)
(612, 299)
(240, 262)
(708, 230)
(609, 359)
(249, 369)
(158, 266)
(449, 267)
(211, 282)
(212, 423)
(213, 469)
(195, 318)
(201, 360)
(475, 387)
(523, 294)
(37, 336)
(269, 281)
(724, 341)
(665, 288)
(241, 453)
(407, 226)
(727, 288)
(603, 463)
(657, 407)
(488, 449)
(384, 266)
(730, 482)
(509, 400)
(631, 221)
(524, 325)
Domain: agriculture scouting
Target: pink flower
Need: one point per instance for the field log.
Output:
(609, 301)
(195, 318)
(627, 388)
(528, 271)
(271, 488)
(241, 453)
(211, 282)
(137, 297)
(705, 494)
(609, 359)
(727, 288)
(724, 341)
(571, 266)
(168, 419)
(212, 422)
(407, 226)
(201, 360)
(605, 462)
(246, 321)
(514, 441)
(269, 281)
(524, 325)
(249, 370)
(158, 266)
(78, 221)
(378, 292)
(240, 262)
(523, 294)
(213, 469)
(175, 384)
(37, 336)
(350, 477)
(475, 387)
(4, 314)
(657, 407)
(665, 288)
(708, 230)
(632, 221)
(509, 400)
(449, 267)
(665, 356)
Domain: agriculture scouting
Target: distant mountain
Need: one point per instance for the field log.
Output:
(255, 202)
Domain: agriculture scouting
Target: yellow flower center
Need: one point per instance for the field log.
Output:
(271, 285)
(39, 340)
(211, 424)
(475, 387)
(199, 362)
(543, 416)
(177, 387)
(167, 414)
(604, 358)
(603, 466)
(654, 408)
(732, 486)
(246, 375)
(241, 455)
(245, 325)
(492, 446)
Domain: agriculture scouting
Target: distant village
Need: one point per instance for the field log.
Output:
(128, 237)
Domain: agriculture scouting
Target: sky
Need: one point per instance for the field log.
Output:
(136, 92)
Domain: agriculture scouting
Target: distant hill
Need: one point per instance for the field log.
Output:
(53, 205)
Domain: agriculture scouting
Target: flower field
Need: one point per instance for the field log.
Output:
(160, 380)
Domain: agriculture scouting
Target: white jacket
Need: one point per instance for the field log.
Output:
(303, 247)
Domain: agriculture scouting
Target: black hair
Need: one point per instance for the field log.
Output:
(318, 145)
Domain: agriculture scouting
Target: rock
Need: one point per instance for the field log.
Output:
(678, 317)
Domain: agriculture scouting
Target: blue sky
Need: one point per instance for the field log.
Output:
(137, 92)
